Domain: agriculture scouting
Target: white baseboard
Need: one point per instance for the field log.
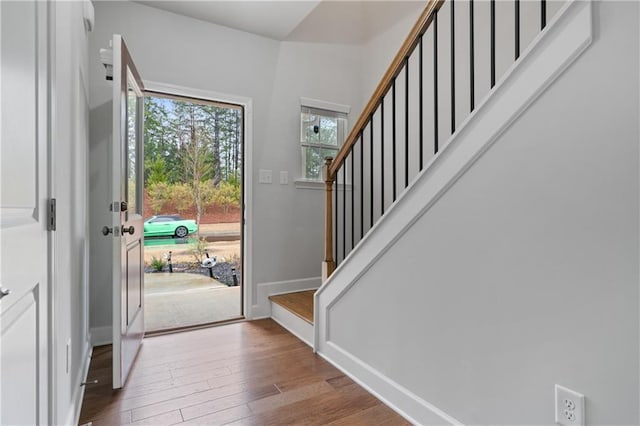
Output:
(293, 323)
(398, 398)
(404, 402)
(262, 309)
(73, 415)
(101, 335)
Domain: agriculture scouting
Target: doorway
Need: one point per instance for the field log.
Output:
(193, 192)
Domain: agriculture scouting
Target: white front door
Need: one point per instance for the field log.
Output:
(126, 205)
(24, 293)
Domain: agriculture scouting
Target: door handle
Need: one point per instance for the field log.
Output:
(106, 230)
(4, 292)
(129, 230)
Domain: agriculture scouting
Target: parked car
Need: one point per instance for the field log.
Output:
(169, 225)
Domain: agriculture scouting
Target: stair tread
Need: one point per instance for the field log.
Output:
(299, 303)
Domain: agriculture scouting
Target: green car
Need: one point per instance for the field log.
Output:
(169, 225)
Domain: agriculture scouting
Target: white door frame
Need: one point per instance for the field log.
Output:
(247, 167)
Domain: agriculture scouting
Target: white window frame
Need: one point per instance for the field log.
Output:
(328, 109)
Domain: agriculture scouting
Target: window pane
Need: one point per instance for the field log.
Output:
(313, 159)
(322, 129)
(308, 123)
(132, 151)
(328, 132)
(322, 132)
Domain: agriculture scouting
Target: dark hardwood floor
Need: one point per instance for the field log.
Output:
(249, 373)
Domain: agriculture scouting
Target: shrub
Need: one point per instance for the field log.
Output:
(207, 194)
(157, 264)
(182, 196)
(227, 195)
(159, 193)
(198, 248)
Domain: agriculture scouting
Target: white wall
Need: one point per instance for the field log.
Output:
(524, 273)
(171, 49)
(69, 173)
(380, 49)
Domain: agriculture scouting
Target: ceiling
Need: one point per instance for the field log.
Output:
(326, 21)
(349, 21)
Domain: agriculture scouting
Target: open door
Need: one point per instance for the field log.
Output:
(126, 205)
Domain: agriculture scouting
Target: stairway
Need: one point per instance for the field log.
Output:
(430, 258)
(294, 311)
(432, 202)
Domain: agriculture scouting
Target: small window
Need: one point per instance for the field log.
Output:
(322, 132)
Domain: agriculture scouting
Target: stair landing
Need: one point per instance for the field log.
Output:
(299, 303)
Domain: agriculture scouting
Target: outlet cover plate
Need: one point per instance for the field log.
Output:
(570, 409)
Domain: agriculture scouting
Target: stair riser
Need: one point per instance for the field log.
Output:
(293, 323)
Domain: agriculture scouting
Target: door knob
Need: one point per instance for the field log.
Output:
(106, 230)
(4, 292)
(130, 229)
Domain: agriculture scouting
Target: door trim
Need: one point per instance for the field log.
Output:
(247, 167)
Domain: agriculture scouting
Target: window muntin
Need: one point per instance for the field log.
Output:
(322, 133)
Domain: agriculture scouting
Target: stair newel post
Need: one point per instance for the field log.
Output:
(329, 263)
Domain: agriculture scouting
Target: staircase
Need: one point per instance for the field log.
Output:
(453, 89)
(294, 311)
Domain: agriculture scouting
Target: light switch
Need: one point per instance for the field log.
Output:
(265, 176)
(284, 178)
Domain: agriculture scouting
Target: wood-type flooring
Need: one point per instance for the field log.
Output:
(247, 373)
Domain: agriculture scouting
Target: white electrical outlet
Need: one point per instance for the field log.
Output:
(570, 410)
(284, 178)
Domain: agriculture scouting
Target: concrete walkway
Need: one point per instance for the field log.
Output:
(183, 299)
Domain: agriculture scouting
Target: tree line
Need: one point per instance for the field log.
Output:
(193, 154)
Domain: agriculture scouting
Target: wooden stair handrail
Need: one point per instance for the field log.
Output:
(331, 166)
(412, 46)
(383, 87)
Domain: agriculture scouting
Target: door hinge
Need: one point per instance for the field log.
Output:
(51, 215)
